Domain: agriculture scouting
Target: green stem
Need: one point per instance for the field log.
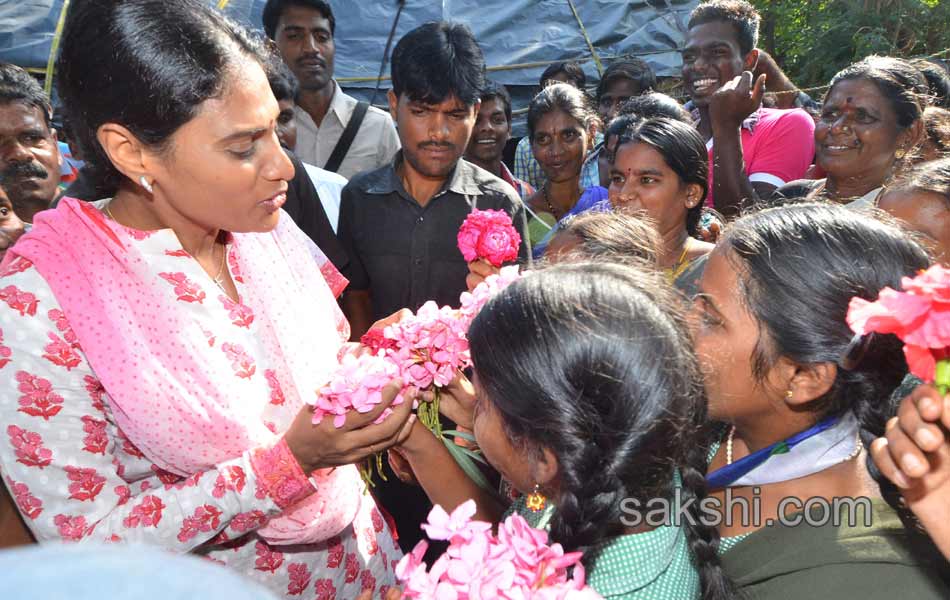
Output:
(942, 378)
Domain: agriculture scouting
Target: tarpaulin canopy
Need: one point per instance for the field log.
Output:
(519, 37)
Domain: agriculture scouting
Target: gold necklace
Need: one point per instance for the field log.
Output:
(218, 279)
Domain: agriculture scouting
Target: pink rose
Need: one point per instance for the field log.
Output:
(489, 235)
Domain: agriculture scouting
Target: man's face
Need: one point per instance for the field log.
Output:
(286, 125)
(711, 59)
(433, 136)
(618, 91)
(490, 134)
(305, 42)
(29, 157)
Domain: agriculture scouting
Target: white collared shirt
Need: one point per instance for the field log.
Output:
(329, 185)
(374, 146)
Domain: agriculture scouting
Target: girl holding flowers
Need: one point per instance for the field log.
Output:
(585, 411)
(802, 396)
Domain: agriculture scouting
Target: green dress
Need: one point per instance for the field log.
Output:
(654, 565)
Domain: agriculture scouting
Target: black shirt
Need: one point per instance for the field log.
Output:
(405, 254)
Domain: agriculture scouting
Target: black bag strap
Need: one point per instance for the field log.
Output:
(346, 139)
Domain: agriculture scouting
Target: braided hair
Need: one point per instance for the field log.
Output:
(592, 362)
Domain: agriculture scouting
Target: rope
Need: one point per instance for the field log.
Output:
(590, 45)
(53, 49)
(389, 45)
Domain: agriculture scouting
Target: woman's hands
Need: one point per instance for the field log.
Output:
(915, 454)
(323, 446)
(456, 401)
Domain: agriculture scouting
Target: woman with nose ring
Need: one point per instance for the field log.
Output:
(870, 125)
(660, 168)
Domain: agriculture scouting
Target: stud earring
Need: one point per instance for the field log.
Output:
(789, 394)
(145, 184)
(536, 500)
(900, 153)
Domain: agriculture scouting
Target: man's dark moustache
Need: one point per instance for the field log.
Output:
(24, 170)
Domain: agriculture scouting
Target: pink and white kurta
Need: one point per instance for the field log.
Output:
(76, 476)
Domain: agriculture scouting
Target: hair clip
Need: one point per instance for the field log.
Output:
(854, 353)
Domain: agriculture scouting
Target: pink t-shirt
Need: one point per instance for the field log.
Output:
(777, 148)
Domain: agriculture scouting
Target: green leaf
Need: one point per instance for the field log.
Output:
(460, 434)
(468, 466)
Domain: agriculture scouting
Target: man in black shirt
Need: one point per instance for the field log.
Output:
(398, 224)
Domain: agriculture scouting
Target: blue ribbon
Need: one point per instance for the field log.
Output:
(722, 477)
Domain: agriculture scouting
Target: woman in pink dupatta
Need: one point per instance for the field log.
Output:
(163, 343)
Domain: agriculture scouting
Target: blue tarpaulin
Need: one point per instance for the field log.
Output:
(519, 37)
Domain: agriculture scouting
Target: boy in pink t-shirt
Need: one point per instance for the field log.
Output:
(752, 150)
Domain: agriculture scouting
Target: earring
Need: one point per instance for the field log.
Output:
(789, 394)
(900, 153)
(536, 500)
(145, 184)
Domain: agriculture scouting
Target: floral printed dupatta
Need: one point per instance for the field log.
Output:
(152, 357)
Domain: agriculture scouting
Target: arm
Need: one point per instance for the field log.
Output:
(63, 460)
(356, 301)
(444, 482)
(729, 107)
(779, 84)
(914, 453)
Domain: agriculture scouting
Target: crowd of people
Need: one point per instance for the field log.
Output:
(238, 223)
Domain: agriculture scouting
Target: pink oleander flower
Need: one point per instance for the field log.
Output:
(430, 346)
(517, 564)
(472, 302)
(919, 315)
(489, 235)
(357, 384)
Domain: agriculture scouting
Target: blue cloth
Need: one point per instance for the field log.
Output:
(722, 477)
(89, 572)
(593, 198)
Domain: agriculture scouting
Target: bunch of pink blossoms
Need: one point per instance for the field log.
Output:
(473, 302)
(424, 350)
(357, 384)
(517, 564)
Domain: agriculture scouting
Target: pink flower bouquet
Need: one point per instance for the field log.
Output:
(920, 316)
(489, 235)
(516, 564)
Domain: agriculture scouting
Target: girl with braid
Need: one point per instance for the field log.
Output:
(587, 399)
(801, 398)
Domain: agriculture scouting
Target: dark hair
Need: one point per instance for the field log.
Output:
(937, 127)
(493, 90)
(656, 104)
(899, 82)
(573, 70)
(171, 55)
(800, 266)
(561, 97)
(743, 17)
(683, 150)
(437, 60)
(611, 236)
(592, 362)
(16, 85)
(620, 124)
(283, 82)
(930, 177)
(937, 80)
(634, 69)
(275, 8)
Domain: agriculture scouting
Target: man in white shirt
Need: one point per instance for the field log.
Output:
(304, 33)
